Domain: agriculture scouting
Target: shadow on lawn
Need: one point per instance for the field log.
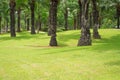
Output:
(113, 63)
(104, 44)
(21, 36)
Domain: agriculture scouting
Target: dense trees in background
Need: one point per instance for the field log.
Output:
(53, 15)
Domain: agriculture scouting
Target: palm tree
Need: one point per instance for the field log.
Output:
(85, 29)
(32, 8)
(95, 20)
(12, 5)
(53, 21)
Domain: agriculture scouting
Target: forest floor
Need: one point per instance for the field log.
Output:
(28, 57)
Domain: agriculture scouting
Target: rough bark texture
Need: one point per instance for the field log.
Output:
(32, 7)
(85, 39)
(12, 5)
(53, 21)
(66, 18)
(95, 21)
(19, 17)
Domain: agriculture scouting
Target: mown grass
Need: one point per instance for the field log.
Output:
(28, 57)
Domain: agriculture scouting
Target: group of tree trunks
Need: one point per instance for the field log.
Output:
(85, 38)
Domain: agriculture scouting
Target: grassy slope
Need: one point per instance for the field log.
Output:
(28, 57)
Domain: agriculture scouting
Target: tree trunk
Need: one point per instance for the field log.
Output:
(6, 25)
(80, 13)
(28, 24)
(75, 22)
(39, 24)
(95, 21)
(66, 18)
(118, 22)
(0, 24)
(53, 21)
(91, 23)
(12, 18)
(19, 12)
(32, 7)
(85, 39)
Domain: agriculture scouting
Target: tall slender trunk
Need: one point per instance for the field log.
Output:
(80, 14)
(118, 21)
(49, 21)
(95, 21)
(12, 5)
(6, 25)
(39, 24)
(75, 22)
(53, 21)
(0, 24)
(19, 17)
(118, 15)
(28, 24)
(32, 7)
(91, 22)
(85, 29)
(66, 18)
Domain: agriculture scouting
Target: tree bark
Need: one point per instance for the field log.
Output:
(85, 39)
(75, 22)
(32, 7)
(95, 21)
(12, 5)
(53, 22)
(28, 24)
(66, 18)
(80, 13)
(19, 17)
(39, 24)
(0, 24)
(118, 22)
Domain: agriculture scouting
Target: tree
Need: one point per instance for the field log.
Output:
(53, 21)
(85, 29)
(12, 5)
(95, 20)
(32, 8)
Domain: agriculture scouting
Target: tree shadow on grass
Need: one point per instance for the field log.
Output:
(113, 63)
(112, 43)
(21, 36)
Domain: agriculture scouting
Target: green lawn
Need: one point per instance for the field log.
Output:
(28, 57)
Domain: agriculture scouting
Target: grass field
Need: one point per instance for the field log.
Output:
(28, 57)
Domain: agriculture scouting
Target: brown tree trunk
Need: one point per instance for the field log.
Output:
(85, 29)
(12, 5)
(95, 21)
(118, 21)
(28, 24)
(80, 14)
(19, 12)
(7, 26)
(0, 24)
(32, 7)
(118, 15)
(53, 21)
(39, 24)
(49, 21)
(66, 18)
(75, 22)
